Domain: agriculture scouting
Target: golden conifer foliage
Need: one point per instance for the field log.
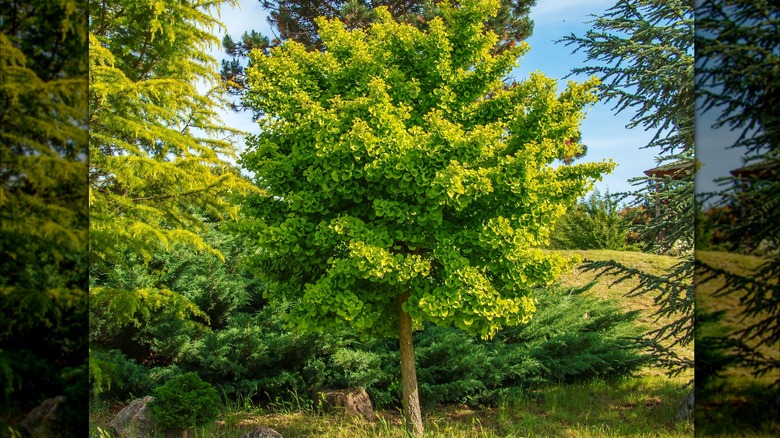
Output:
(159, 153)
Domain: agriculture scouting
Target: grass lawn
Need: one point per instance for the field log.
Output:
(737, 403)
(635, 407)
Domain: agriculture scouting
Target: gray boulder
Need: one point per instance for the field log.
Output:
(354, 402)
(41, 421)
(263, 432)
(135, 420)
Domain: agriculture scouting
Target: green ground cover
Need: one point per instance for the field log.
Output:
(638, 406)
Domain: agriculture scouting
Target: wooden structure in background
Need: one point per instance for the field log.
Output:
(674, 171)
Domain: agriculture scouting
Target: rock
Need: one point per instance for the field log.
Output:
(41, 421)
(263, 432)
(135, 420)
(685, 411)
(355, 402)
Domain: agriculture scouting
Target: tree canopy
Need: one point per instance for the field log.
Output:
(43, 206)
(158, 150)
(159, 165)
(295, 20)
(397, 161)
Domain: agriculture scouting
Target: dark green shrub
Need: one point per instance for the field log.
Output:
(451, 366)
(573, 337)
(595, 223)
(185, 402)
(256, 355)
(114, 375)
(354, 368)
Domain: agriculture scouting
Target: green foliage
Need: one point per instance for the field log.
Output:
(185, 402)
(202, 289)
(643, 52)
(397, 161)
(572, 338)
(254, 354)
(738, 81)
(452, 366)
(736, 71)
(223, 341)
(158, 151)
(160, 184)
(113, 374)
(715, 227)
(354, 368)
(596, 223)
(295, 20)
(43, 208)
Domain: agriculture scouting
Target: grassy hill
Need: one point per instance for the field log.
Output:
(608, 287)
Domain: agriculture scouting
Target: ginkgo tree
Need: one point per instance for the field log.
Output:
(404, 181)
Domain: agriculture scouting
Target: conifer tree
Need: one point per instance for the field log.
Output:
(738, 75)
(642, 50)
(594, 223)
(158, 150)
(43, 207)
(405, 182)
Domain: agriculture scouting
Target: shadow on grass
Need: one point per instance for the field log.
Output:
(737, 407)
(636, 407)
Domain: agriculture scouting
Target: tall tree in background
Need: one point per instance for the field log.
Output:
(157, 149)
(405, 182)
(594, 223)
(738, 50)
(43, 208)
(643, 52)
(294, 20)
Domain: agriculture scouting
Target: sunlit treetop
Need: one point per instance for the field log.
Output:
(397, 161)
(159, 153)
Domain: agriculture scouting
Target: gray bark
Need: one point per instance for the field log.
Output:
(410, 395)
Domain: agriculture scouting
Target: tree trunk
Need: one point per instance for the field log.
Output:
(411, 397)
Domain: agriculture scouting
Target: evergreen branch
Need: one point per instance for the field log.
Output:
(177, 195)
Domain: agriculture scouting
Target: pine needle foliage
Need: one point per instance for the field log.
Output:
(185, 402)
(642, 50)
(158, 150)
(737, 44)
(43, 205)
(572, 338)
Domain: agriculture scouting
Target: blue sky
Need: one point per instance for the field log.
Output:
(602, 130)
